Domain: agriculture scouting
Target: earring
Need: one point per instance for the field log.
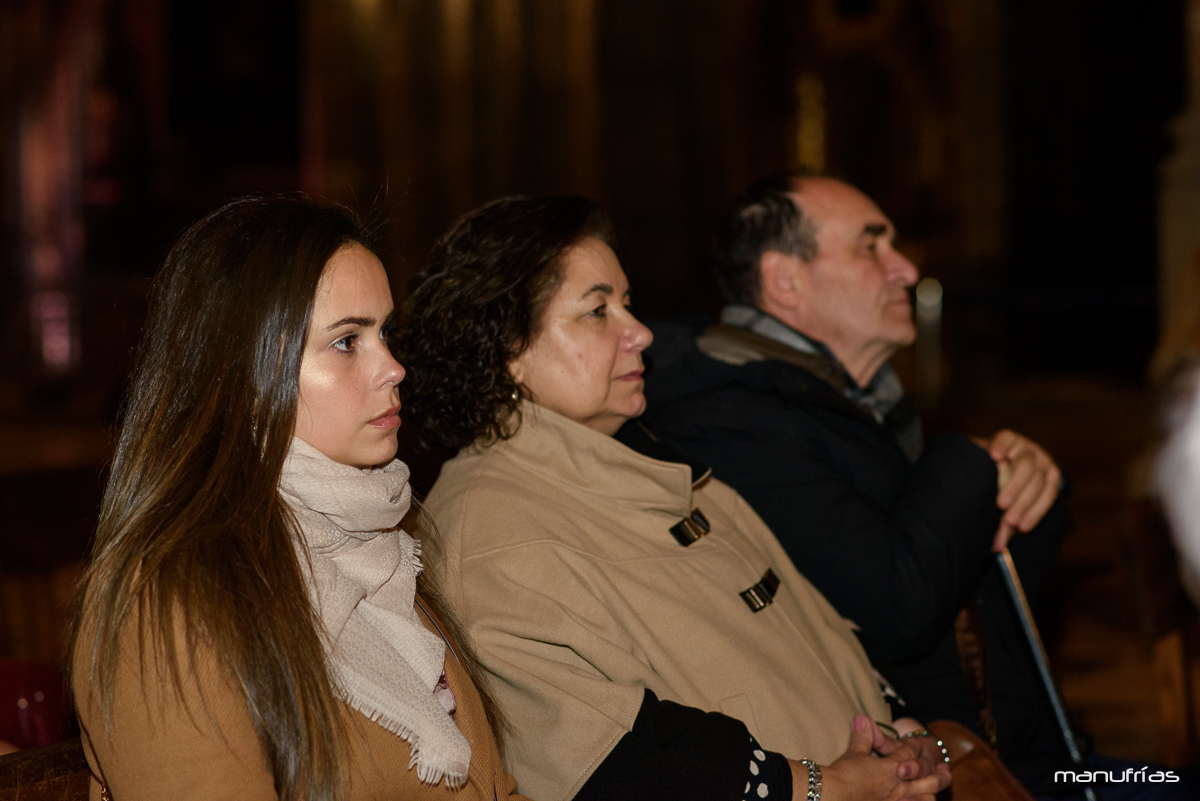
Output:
(516, 394)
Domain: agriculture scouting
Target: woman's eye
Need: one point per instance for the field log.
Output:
(345, 344)
(599, 311)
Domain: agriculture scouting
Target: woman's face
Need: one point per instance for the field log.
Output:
(585, 360)
(349, 381)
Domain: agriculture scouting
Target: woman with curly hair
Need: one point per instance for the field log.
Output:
(646, 633)
(255, 623)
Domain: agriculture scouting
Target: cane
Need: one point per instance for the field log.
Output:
(1021, 602)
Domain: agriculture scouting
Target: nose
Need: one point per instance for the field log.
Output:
(637, 337)
(391, 371)
(903, 271)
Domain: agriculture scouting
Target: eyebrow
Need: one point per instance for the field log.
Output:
(875, 229)
(365, 322)
(605, 288)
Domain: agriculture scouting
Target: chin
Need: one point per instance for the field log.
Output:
(636, 406)
(378, 455)
(903, 335)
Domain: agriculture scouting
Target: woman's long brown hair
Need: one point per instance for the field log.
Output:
(193, 536)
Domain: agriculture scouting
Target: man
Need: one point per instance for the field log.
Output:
(792, 402)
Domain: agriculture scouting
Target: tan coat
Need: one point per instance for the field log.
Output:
(158, 753)
(559, 558)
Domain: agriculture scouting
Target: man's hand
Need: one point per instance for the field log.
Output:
(908, 769)
(1029, 482)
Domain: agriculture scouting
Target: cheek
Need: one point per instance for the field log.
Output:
(568, 375)
(606, 363)
(592, 365)
(324, 403)
(314, 387)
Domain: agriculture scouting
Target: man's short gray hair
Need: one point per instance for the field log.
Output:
(764, 217)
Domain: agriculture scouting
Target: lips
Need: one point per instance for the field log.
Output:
(634, 375)
(389, 419)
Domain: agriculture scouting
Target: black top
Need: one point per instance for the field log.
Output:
(680, 752)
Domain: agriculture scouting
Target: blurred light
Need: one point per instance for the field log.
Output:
(506, 21)
(929, 343)
(47, 264)
(456, 15)
(810, 122)
(929, 295)
(51, 318)
(368, 7)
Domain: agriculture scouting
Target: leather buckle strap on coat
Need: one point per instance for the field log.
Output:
(691, 528)
(762, 594)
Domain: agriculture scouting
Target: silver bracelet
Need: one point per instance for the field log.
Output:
(814, 780)
(924, 733)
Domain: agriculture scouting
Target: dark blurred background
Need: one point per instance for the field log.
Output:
(1017, 145)
(1041, 159)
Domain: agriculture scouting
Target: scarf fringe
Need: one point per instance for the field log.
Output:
(429, 773)
(418, 567)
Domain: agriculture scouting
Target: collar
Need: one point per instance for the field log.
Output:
(881, 393)
(636, 436)
(582, 460)
(771, 327)
(883, 397)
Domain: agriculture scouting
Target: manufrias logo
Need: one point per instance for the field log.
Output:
(1128, 775)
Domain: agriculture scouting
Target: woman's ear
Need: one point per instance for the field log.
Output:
(516, 368)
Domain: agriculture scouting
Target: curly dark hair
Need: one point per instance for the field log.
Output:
(476, 306)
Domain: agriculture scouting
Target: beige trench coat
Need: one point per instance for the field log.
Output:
(559, 557)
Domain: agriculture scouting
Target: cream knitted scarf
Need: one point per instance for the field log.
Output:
(362, 571)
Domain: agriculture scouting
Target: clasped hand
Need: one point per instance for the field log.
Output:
(908, 768)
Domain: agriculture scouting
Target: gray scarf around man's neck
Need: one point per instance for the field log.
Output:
(879, 398)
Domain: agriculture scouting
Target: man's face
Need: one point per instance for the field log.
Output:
(858, 283)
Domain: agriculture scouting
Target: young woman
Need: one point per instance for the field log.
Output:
(649, 635)
(250, 626)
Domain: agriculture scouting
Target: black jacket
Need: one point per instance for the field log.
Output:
(897, 547)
